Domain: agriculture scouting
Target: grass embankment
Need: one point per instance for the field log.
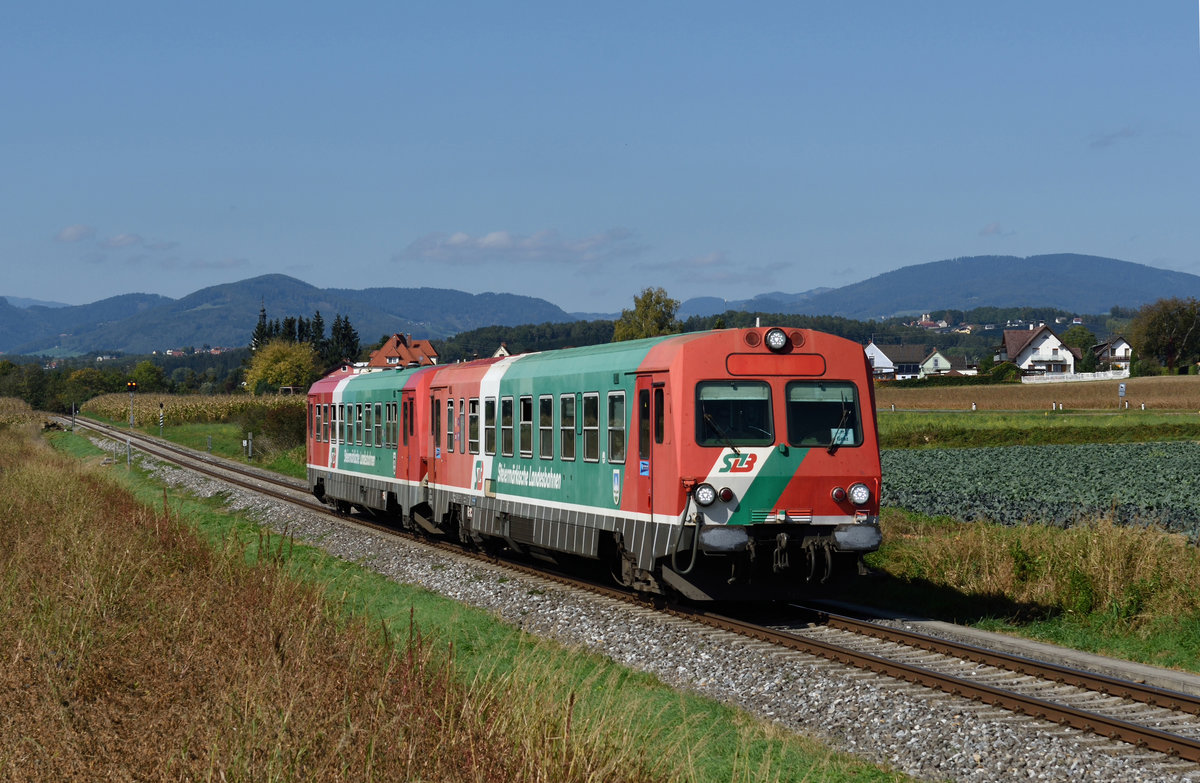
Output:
(1132, 593)
(151, 636)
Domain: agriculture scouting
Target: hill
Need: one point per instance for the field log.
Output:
(225, 315)
(1066, 281)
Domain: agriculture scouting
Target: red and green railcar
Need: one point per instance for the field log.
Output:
(736, 464)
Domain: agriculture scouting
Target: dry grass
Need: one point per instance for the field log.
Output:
(131, 650)
(1174, 393)
(1132, 574)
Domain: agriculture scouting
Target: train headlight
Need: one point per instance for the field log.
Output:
(860, 494)
(705, 494)
(776, 339)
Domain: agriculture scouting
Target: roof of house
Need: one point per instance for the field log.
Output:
(402, 351)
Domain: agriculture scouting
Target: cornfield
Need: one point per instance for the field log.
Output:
(186, 408)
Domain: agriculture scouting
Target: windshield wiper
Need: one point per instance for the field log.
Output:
(720, 432)
(834, 441)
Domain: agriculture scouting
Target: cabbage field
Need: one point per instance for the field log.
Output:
(1135, 483)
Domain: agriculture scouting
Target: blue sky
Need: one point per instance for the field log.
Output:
(582, 152)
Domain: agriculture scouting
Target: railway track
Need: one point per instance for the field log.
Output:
(1156, 719)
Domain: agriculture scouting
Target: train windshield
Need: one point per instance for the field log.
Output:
(734, 413)
(823, 413)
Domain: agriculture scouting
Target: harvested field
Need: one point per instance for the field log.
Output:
(1174, 393)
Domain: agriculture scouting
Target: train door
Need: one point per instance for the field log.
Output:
(407, 445)
(657, 489)
(436, 422)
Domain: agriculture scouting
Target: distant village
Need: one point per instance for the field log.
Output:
(1035, 348)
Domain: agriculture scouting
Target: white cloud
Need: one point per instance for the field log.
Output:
(543, 247)
(122, 240)
(75, 233)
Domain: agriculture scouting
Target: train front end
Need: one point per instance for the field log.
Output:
(780, 478)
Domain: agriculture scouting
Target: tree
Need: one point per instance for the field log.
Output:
(1167, 330)
(343, 340)
(260, 330)
(149, 377)
(653, 314)
(281, 363)
(1079, 337)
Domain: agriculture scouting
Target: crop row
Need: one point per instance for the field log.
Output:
(1135, 483)
(185, 408)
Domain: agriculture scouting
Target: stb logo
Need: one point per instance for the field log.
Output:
(478, 474)
(739, 463)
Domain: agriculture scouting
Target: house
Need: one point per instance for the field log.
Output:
(900, 362)
(1037, 351)
(403, 351)
(1116, 352)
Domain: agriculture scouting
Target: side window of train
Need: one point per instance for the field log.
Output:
(435, 421)
(489, 425)
(566, 426)
(405, 412)
(506, 426)
(358, 424)
(325, 422)
(379, 424)
(461, 429)
(546, 427)
(591, 427)
(526, 431)
(473, 425)
(616, 426)
(368, 426)
(449, 426)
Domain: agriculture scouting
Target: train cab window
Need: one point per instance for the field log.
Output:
(473, 425)
(489, 425)
(506, 426)
(823, 413)
(379, 424)
(546, 427)
(591, 427)
(449, 426)
(566, 426)
(734, 413)
(526, 429)
(616, 427)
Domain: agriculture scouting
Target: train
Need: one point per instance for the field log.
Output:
(724, 465)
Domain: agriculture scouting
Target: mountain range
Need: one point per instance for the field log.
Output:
(225, 315)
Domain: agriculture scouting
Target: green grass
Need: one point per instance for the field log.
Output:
(697, 738)
(965, 429)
